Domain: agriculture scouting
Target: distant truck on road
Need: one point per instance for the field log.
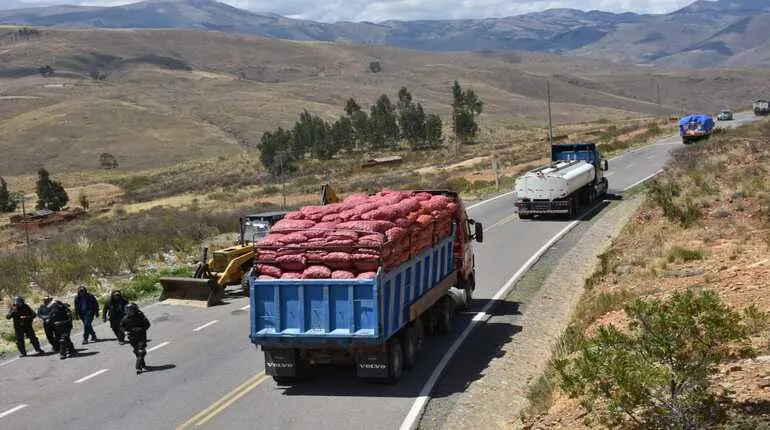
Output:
(761, 107)
(574, 177)
(693, 128)
(376, 320)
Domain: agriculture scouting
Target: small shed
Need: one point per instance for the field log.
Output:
(382, 161)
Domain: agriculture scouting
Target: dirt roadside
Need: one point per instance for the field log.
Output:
(486, 385)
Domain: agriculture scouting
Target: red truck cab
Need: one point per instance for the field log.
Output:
(465, 262)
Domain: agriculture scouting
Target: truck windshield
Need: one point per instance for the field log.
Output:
(255, 230)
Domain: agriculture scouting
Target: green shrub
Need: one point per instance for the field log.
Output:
(684, 255)
(655, 374)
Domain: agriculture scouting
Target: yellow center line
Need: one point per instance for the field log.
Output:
(220, 405)
(501, 222)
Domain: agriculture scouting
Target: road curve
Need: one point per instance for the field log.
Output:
(207, 374)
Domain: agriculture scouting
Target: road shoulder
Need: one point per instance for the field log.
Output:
(513, 346)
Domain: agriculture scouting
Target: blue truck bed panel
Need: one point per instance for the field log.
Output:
(304, 312)
(705, 123)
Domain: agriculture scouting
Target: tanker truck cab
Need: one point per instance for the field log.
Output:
(575, 177)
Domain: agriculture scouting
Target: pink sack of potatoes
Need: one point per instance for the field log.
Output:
(338, 261)
(367, 275)
(452, 207)
(294, 216)
(326, 225)
(396, 234)
(356, 198)
(291, 275)
(420, 197)
(273, 239)
(293, 238)
(317, 272)
(269, 270)
(368, 226)
(310, 210)
(265, 278)
(292, 224)
(362, 209)
(343, 234)
(344, 243)
(424, 220)
(332, 218)
(371, 240)
(312, 233)
(365, 262)
(343, 274)
(265, 254)
(292, 263)
(387, 213)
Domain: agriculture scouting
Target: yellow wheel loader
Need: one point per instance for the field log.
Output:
(228, 266)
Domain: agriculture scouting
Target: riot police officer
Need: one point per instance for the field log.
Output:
(44, 312)
(61, 318)
(135, 325)
(22, 316)
(115, 310)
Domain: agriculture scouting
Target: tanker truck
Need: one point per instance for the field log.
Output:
(574, 177)
(693, 128)
(761, 107)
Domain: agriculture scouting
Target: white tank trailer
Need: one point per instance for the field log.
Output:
(575, 177)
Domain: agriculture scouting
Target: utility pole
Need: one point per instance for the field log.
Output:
(26, 225)
(550, 120)
(657, 97)
(496, 168)
(283, 182)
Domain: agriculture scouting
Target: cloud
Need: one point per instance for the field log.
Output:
(381, 10)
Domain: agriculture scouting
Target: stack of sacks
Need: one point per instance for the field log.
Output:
(350, 240)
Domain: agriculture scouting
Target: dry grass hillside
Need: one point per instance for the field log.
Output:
(706, 225)
(176, 95)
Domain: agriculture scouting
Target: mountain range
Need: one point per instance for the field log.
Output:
(705, 34)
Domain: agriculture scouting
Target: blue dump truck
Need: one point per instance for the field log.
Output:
(377, 324)
(693, 128)
(574, 177)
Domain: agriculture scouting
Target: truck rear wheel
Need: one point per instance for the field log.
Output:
(395, 360)
(445, 315)
(409, 346)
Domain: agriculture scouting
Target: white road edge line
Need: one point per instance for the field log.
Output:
(412, 419)
(93, 375)
(7, 362)
(158, 346)
(245, 307)
(645, 179)
(206, 325)
(12, 410)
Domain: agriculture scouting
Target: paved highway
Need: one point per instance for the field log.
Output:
(206, 373)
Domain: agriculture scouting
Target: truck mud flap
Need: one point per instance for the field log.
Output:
(191, 289)
(372, 363)
(284, 363)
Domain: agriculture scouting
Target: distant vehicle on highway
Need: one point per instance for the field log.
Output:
(695, 127)
(725, 115)
(761, 107)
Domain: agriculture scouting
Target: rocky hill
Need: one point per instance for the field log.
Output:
(722, 33)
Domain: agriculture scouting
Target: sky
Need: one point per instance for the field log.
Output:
(381, 10)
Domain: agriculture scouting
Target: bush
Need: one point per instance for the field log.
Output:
(684, 255)
(655, 374)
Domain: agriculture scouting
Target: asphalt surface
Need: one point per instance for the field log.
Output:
(208, 374)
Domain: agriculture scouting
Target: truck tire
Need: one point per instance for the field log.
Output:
(245, 282)
(524, 216)
(468, 286)
(444, 315)
(395, 361)
(409, 346)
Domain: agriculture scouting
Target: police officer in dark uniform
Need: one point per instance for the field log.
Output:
(115, 310)
(135, 325)
(44, 312)
(22, 316)
(61, 318)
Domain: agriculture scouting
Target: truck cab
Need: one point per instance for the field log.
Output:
(468, 230)
(257, 226)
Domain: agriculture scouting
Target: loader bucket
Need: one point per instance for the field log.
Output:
(192, 290)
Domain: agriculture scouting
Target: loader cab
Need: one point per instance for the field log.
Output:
(255, 227)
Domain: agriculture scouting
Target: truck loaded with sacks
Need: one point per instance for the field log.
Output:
(574, 177)
(361, 282)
